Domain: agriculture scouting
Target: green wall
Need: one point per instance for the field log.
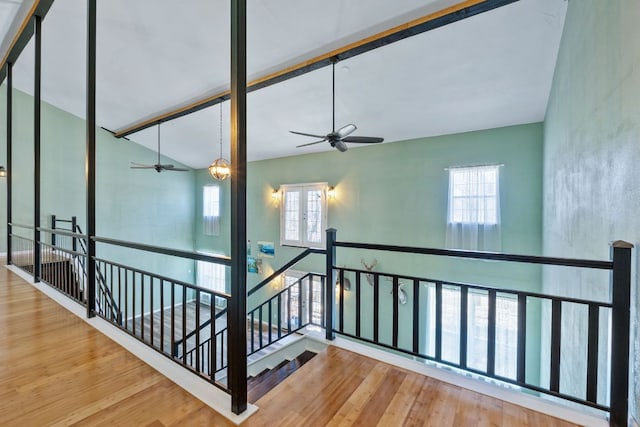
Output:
(135, 205)
(591, 158)
(397, 194)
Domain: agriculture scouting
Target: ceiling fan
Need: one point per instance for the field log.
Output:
(158, 166)
(339, 138)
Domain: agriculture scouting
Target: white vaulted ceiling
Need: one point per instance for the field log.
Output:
(487, 71)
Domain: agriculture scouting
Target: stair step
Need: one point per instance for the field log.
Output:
(266, 380)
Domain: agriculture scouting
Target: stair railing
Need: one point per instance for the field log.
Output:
(257, 313)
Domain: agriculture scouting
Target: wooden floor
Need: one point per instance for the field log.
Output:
(57, 370)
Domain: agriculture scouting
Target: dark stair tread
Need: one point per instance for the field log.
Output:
(262, 383)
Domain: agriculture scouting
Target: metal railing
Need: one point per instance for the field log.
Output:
(22, 246)
(429, 297)
(159, 311)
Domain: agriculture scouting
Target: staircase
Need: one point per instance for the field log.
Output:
(261, 384)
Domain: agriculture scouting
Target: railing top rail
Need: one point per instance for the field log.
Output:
(285, 267)
(494, 256)
(479, 287)
(197, 256)
(167, 279)
(14, 224)
(62, 232)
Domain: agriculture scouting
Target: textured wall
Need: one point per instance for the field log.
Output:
(591, 158)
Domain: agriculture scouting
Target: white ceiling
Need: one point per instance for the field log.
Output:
(487, 71)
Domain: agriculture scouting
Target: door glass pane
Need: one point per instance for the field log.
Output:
(314, 216)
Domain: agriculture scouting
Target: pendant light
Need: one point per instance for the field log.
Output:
(220, 168)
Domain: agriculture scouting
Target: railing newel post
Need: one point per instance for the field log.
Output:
(620, 324)
(330, 292)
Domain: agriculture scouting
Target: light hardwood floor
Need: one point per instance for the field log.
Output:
(57, 370)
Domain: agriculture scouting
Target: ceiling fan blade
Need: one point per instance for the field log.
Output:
(308, 134)
(345, 130)
(310, 143)
(363, 139)
(141, 164)
(142, 167)
(177, 169)
(341, 146)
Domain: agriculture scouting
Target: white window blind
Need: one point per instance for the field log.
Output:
(477, 329)
(211, 209)
(212, 276)
(303, 215)
(473, 214)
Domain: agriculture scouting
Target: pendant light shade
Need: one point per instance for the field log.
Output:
(220, 169)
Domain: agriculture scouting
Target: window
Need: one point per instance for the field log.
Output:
(477, 329)
(303, 215)
(211, 209)
(473, 216)
(212, 276)
(300, 303)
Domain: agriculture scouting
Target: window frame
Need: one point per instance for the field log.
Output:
(474, 200)
(211, 220)
(219, 302)
(303, 213)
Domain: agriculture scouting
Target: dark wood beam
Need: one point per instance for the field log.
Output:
(457, 12)
(39, 8)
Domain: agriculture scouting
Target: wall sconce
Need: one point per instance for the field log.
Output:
(275, 196)
(331, 192)
(346, 285)
(3, 172)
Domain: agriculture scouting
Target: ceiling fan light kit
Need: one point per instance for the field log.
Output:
(338, 138)
(220, 169)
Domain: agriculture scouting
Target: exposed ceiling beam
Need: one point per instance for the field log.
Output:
(19, 42)
(457, 12)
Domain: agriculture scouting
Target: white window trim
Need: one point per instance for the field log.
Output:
(303, 241)
(211, 223)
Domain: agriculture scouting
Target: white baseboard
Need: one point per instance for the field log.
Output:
(209, 394)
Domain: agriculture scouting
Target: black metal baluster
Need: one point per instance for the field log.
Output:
(279, 315)
(270, 321)
(184, 323)
(341, 281)
(376, 304)
(197, 329)
(464, 324)
(213, 356)
(126, 298)
(323, 294)
(119, 308)
(151, 330)
(288, 310)
(438, 355)
(252, 331)
(310, 299)
(142, 306)
(358, 303)
(491, 334)
(522, 338)
(299, 284)
(133, 304)
(260, 325)
(395, 298)
(174, 351)
(556, 323)
(592, 353)
(416, 316)
(162, 314)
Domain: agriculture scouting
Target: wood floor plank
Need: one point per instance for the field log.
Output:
(57, 370)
